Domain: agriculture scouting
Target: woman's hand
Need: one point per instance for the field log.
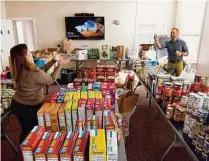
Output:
(63, 60)
(57, 57)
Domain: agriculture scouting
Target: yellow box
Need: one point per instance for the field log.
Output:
(54, 118)
(61, 115)
(84, 95)
(98, 94)
(40, 114)
(68, 116)
(76, 95)
(97, 145)
(47, 116)
(74, 113)
(91, 94)
(68, 96)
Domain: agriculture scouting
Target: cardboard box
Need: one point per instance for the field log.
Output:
(30, 143)
(96, 122)
(66, 152)
(79, 126)
(68, 116)
(54, 97)
(74, 113)
(84, 95)
(108, 123)
(87, 126)
(91, 94)
(47, 116)
(60, 99)
(40, 114)
(82, 109)
(90, 109)
(97, 146)
(68, 96)
(54, 148)
(76, 95)
(80, 150)
(61, 116)
(40, 152)
(112, 147)
(54, 118)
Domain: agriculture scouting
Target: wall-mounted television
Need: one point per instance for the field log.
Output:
(85, 28)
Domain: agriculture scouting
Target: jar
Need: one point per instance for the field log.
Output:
(183, 113)
(184, 100)
(166, 101)
(177, 115)
(167, 89)
(169, 112)
(177, 89)
(202, 116)
(176, 100)
(186, 88)
(197, 78)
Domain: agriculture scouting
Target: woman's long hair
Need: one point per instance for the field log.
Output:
(19, 61)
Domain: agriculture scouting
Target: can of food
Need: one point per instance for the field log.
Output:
(198, 126)
(191, 127)
(202, 116)
(198, 152)
(167, 89)
(186, 88)
(194, 140)
(183, 113)
(166, 101)
(204, 157)
(177, 89)
(184, 100)
(186, 128)
(200, 141)
(157, 97)
(197, 78)
(202, 94)
(206, 103)
(195, 87)
(177, 115)
(176, 100)
(207, 135)
(169, 112)
(5, 103)
(191, 99)
(206, 147)
(189, 108)
(198, 102)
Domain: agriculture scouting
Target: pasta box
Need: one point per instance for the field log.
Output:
(48, 117)
(40, 114)
(61, 116)
(54, 117)
(68, 116)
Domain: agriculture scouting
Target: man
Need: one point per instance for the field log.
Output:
(177, 48)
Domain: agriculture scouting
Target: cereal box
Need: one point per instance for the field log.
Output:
(47, 116)
(68, 96)
(91, 94)
(84, 95)
(98, 108)
(80, 151)
(90, 109)
(68, 116)
(97, 146)
(108, 122)
(82, 109)
(112, 147)
(54, 148)
(87, 126)
(79, 126)
(54, 118)
(66, 152)
(74, 113)
(61, 115)
(40, 152)
(40, 114)
(98, 94)
(76, 95)
(96, 122)
(31, 141)
(54, 97)
(60, 99)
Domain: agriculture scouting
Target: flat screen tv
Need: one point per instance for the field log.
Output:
(85, 28)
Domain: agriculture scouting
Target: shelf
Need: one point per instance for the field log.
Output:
(101, 60)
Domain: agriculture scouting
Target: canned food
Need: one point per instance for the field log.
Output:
(186, 88)
(198, 152)
(207, 136)
(184, 100)
(202, 94)
(177, 89)
(191, 98)
(169, 112)
(183, 114)
(206, 147)
(197, 78)
(199, 142)
(195, 87)
(189, 109)
(206, 103)
(177, 115)
(194, 140)
(167, 89)
(5, 103)
(198, 127)
(198, 102)
(191, 127)
(202, 116)
(176, 100)
(204, 157)
(166, 101)
(186, 128)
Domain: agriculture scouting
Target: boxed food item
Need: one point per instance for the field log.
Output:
(40, 152)
(84, 95)
(40, 114)
(112, 147)
(97, 146)
(31, 141)
(79, 126)
(66, 152)
(96, 122)
(54, 118)
(100, 68)
(93, 53)
(98, 94)
(82, 54)
(120, 52)
(82, 109)
(74, 113)
(77, 95)
(80, 151)
(68, 116)
(108, 122)
(96, 86)
(61, 116)
(54, 148)
(68, 96)
(91, 94)
(98, 108)
(48, 117)
(90, 108)
(54, 97)
(60, 99)
(87, 126)
(104, 53)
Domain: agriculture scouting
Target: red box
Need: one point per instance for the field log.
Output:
(98, 107)
(31, 141)
(80, 151)
(100, 68)
(110, 68)
(90, 109)
(54, 148)
(66, 152)
(40, 152)
(87, 126)
(96, 122)
(82, 109)
(108, 123)
(54, 97)
(79, 126)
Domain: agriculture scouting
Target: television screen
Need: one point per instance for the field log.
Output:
(85, 28)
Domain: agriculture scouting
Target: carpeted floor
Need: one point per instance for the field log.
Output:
(149, 136)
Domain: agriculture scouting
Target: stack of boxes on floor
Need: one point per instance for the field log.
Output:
(76, 125)
(189, 103)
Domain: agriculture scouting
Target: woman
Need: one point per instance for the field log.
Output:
(29, 80)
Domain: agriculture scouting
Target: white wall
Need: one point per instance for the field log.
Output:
(3, 11)
(203, 63)
(50, 24)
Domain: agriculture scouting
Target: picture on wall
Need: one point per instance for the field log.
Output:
(85, 28)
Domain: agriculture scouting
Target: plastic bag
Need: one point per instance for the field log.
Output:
(189, 76)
